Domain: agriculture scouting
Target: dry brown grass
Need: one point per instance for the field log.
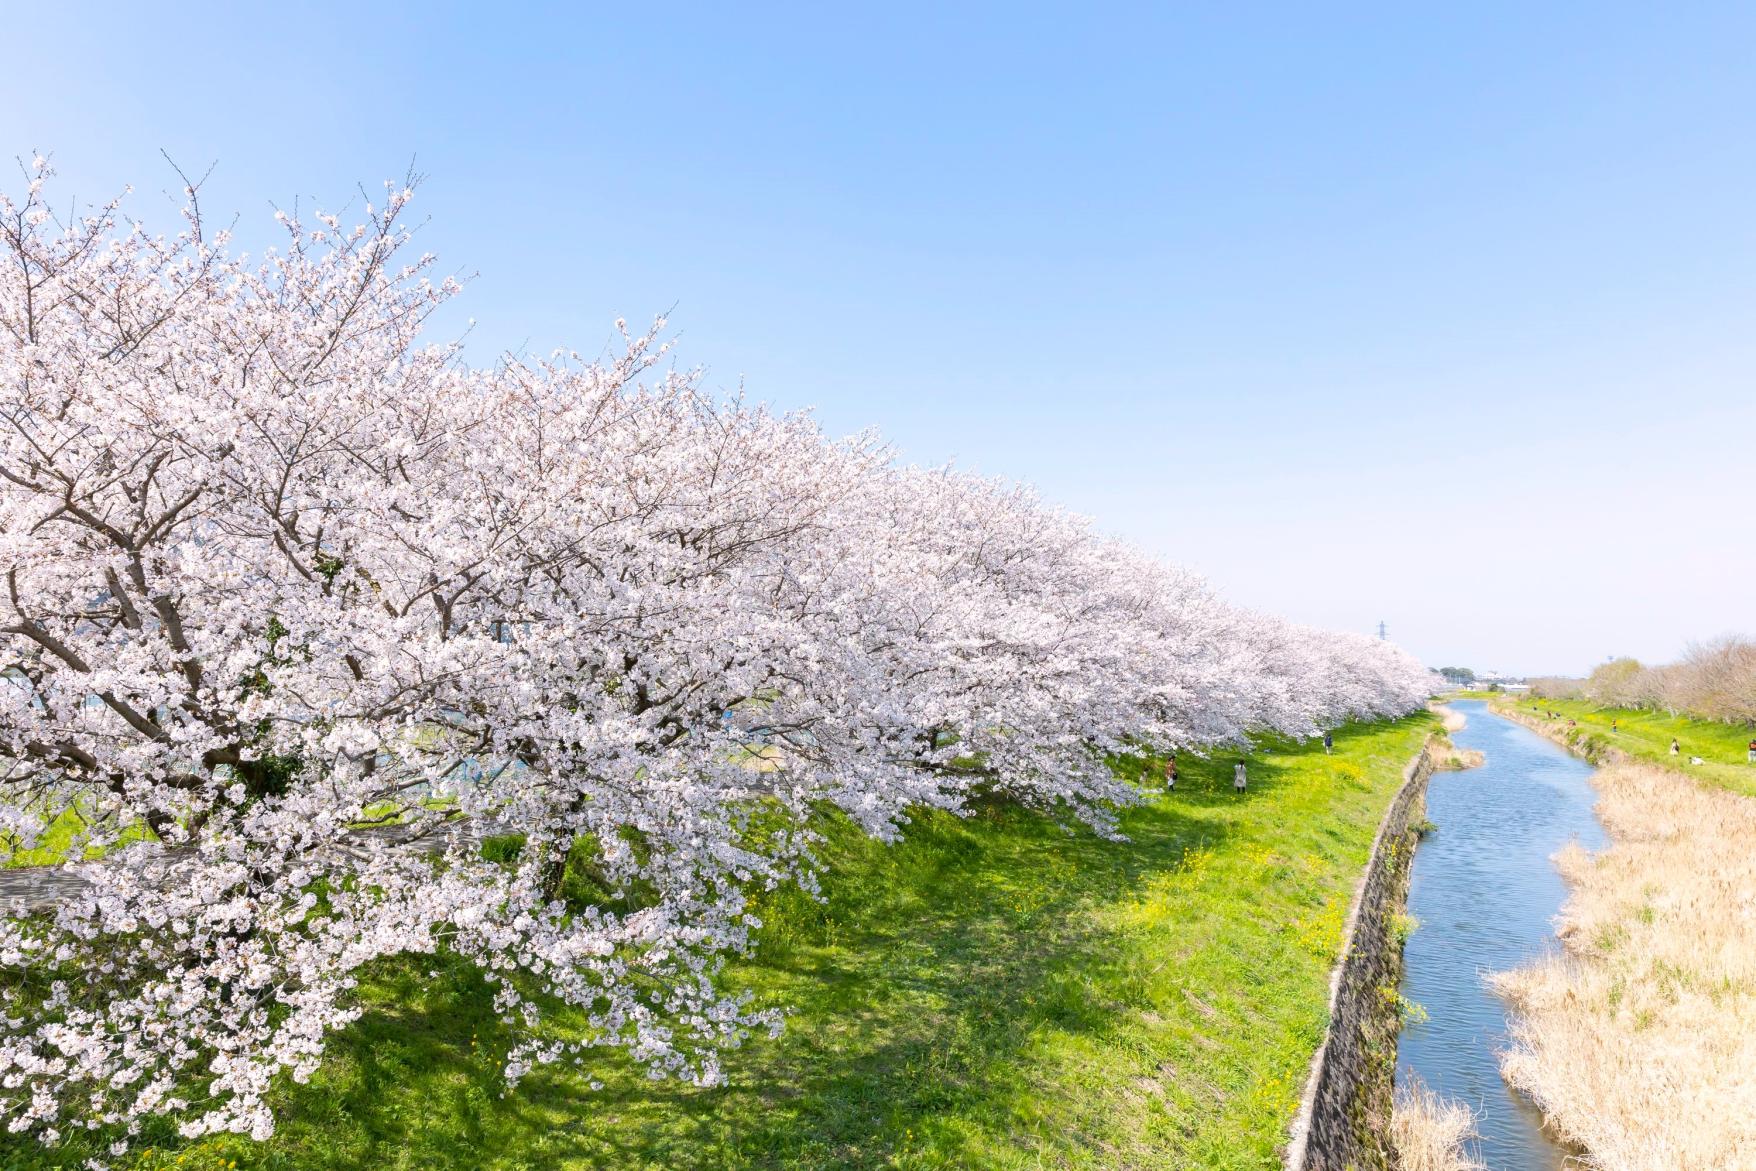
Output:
(1638, 1041)
(1431, 1133)
(1449, 756)
(1446, 755)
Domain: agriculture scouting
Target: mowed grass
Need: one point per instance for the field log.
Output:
(1723, 748)
(999, 991)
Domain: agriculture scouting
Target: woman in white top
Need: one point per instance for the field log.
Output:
(1238, 777)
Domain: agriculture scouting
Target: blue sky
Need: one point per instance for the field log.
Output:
(1437, 317)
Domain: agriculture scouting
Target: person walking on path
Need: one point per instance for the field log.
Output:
(1328, 743)
(1675, 747)
(1238, 778)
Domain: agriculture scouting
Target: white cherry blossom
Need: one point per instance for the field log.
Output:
(278, 572)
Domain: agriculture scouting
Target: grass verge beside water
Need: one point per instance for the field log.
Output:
(995, 992)
(1647, 735)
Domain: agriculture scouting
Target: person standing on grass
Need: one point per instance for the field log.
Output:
(1675, 747)
(1171, 772)
(1238, 778)
(1614, 723)
(1752, 756)
(1328, 742)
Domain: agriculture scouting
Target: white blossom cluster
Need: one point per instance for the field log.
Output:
(276, 571)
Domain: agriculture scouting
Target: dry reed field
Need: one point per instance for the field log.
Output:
(1432, 1133)
(1638, 1041)
(1446, 755)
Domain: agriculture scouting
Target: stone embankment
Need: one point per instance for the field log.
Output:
(1343, 1122)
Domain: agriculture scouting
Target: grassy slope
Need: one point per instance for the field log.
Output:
(998, 992)
(1648, 734)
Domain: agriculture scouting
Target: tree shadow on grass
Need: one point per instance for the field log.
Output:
(914, 988)
(918, 989)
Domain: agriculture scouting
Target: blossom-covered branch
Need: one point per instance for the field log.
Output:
(277, 571)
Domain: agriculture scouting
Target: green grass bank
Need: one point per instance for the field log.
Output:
(998, 991)
(1647, 735)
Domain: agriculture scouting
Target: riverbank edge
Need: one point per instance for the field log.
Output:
(1581, 743)
(1590, 747)
(1343, 1121)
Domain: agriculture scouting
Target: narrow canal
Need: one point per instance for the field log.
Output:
(1485, 893)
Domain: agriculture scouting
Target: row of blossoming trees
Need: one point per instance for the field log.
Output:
(276, 571)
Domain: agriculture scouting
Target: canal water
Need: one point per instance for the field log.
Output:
(1486, 892)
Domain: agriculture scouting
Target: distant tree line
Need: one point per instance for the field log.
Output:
(1458, 676)
(1715, 680)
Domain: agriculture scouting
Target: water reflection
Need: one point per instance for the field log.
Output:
(1485, 893)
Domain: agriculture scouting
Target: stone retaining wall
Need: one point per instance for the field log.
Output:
(1344, 1121)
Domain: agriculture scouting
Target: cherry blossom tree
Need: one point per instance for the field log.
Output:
(299, 606)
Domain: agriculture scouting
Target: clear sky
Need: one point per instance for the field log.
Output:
(1436, 317)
